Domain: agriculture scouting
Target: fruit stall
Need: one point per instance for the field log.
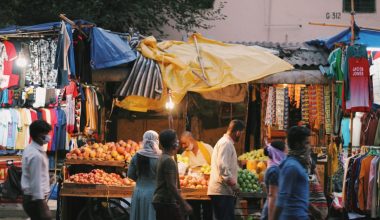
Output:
(94, 175)
(95, 182)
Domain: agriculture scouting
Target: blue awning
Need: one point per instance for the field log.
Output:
(14, 29)
(109, 49)
(369, 38)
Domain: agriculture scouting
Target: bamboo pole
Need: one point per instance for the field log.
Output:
(341, 25)
(72, 23)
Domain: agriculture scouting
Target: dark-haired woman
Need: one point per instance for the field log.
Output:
(143, 170)
(276, 151)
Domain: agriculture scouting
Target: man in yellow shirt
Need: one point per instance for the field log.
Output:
(199, 153)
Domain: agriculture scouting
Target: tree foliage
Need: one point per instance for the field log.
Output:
(147, 16)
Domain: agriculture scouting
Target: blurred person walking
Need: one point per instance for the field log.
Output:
(35, 180)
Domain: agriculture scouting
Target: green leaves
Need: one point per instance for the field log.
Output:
(147, 16)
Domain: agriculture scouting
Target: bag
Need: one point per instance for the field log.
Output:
(12, 185)
(317, 197)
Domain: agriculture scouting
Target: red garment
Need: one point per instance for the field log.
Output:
(54, 121)
(34, 115)
(71, 89)
(359, 79)
(10, 97)
(8, 63)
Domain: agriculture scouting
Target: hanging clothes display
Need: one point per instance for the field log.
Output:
(14, 127)
(41, 71)
(280, 107)
(270, 108)
(361, 185)
(327, 109)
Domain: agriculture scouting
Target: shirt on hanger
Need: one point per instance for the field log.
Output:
(375, 73)
(5, 121)
(357, 127)
(359, 85)
(12, 129)
(363, 182)
(40, 97)
(8, 64)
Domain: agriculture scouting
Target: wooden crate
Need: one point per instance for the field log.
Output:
(95, 191)
(194, 194)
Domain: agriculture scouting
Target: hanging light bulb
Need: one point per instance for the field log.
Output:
(170, 104)
(21, 60)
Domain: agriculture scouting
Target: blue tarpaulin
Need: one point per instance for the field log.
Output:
(109, 49)
(36, 28)
(369, 38)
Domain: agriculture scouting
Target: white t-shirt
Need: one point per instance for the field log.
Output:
(40, 97)
(5, 120)
(357, 126)
(375, 73)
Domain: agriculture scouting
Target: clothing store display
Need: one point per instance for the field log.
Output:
(361, 185)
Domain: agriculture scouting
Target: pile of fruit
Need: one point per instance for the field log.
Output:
(182, 159)
(193, 182)
(249, 182)
(254, 155)
(97, 176)
(206, 169)
(120, 151)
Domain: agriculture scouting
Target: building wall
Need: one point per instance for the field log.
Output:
(281, 20)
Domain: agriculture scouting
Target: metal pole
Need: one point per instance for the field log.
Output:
(352, 43)
(200, 60)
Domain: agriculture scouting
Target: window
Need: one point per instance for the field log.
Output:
(361, 6)
(203, 4)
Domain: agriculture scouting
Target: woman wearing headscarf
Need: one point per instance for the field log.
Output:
(143, 170)
(276, 151)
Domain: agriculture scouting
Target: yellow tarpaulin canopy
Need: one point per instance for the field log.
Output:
(224, 65)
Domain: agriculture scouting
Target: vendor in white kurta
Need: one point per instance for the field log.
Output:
(199, 153)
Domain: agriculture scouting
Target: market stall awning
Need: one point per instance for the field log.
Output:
(295, 77)
(51, 26)
(224, 65)
(369, 38)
